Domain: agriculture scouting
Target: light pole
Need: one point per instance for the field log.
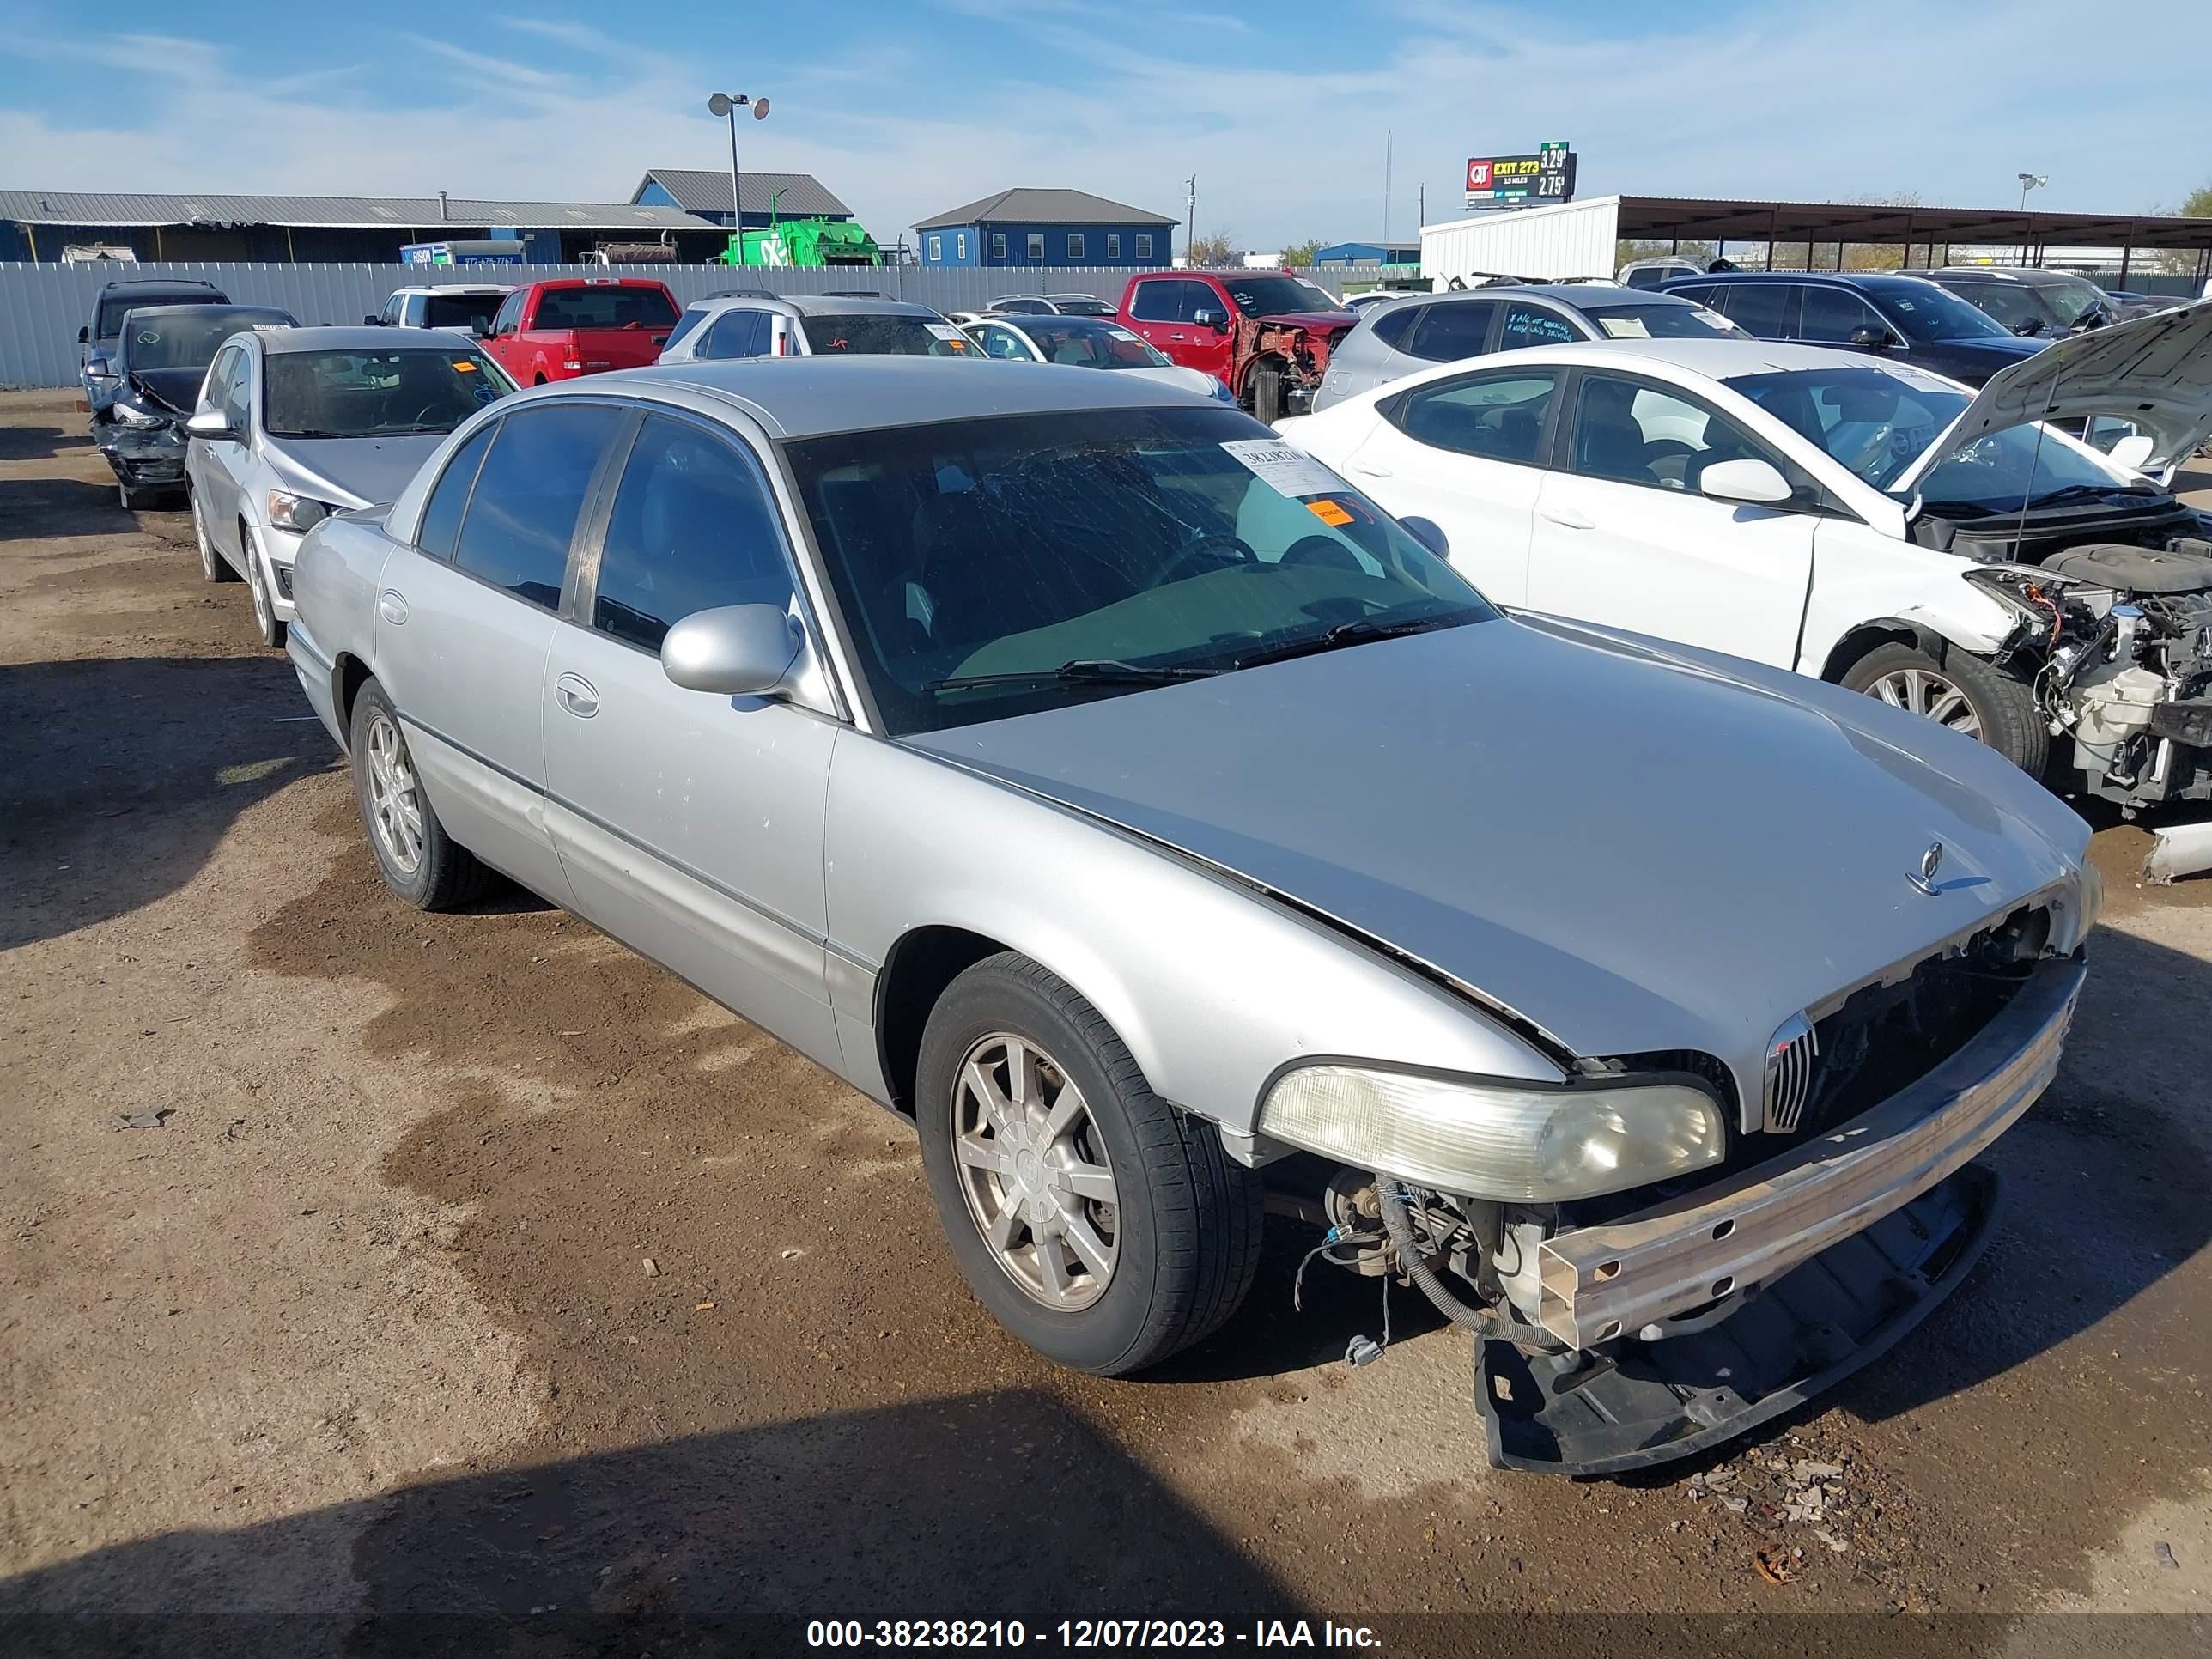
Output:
(725, 104)
(1190, 236)
(2030, 181)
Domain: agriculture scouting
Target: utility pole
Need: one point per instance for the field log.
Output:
(1421, 208)
(1190, 204)
(1386, 195)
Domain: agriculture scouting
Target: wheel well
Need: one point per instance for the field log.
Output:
(922, 964)
(353, 674)
(1869, 637)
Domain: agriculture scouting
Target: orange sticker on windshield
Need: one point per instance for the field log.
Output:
(463, 366)
(1328, 513)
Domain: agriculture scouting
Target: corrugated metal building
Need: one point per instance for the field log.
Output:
(706, 193)
(37, 226)
(1574, 239)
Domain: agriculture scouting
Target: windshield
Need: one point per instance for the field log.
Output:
(1875, 421)
(460, 310)
(604, 307)
(369, 394)
(1090, 344)
(2073, 297)
(113, 308)
(188, 339)
(2015, 306)
(1276, 296)
(889, 336)
(1925, 311)
(1659, 322)
(1171, 542)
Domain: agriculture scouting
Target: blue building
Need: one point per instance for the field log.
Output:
(1344, 256)
(1018, 228)
(705, 193)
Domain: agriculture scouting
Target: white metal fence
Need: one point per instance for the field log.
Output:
(43, 305)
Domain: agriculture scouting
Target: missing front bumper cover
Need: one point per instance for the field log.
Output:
(1648, 1403)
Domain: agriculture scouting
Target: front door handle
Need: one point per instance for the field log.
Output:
(1368, 469)
(577, 695)
(391, 606)
(1175, 337)
(1566, 518)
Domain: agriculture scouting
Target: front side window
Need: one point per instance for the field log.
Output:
(441, 513)
(1630, 433)
(215, 389)
(238, 392)
(693, 527)
(373, 394)
(1451, 330)
(1036, 247)
(469, 311)
(884, 337)
(1498, 418)
(523, 514)
(1074, 245)
(974, 560)
(509, 316)
(1160, 301)
(1534, 325)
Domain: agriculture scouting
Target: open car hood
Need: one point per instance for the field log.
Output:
(2155, 371)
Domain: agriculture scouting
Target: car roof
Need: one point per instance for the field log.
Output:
(1874, 279)
(812, 397)
(357, 337)
(203, 307)
(1582, 296)
(1715, 358)
(167, 284)
(2023, 273)
(814, 305)
(456, 287)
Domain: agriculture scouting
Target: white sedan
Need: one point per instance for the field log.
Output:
(1851, 518)
(1087, 343)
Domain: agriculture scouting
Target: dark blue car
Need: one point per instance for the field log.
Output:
(1906, 319)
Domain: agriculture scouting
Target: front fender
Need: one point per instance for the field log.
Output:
(1211, 985)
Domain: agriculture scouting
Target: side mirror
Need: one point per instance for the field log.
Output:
(84, 334)
(213, 425)
(1213, 319)
(373, 322)
(1430, 534)
(1874, 339)
(99, 364)
(733, 650)
(2132, 451)
(1748, 483)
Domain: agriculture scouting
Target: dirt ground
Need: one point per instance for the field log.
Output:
(356, 1351)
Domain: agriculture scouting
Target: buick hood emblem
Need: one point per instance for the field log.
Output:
(1930, 862)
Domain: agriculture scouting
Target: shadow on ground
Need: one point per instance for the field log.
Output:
(38, 443)
(118, 776)
(61, 507)
(1004, 1504)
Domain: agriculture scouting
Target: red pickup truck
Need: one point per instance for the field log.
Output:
(576, 326)
(1266, 334)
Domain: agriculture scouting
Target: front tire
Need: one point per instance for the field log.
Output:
(213, 565)
(1098, 1224)
(1267, 394)
(421, 865)
(264, 603)
(1962, 693)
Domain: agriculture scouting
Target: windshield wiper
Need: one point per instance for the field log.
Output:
(2082, 492)
(1083, 671)
(1356, 632)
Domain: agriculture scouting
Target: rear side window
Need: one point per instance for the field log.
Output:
(1834, 314)
(739, 333)
(523, 514)
(1701, 295)
(1500, 416)
(603, 307)
(1391, 326)
(442, 519)
(1768, 310)
(689, 322)
(693, 527)
(1452, 331)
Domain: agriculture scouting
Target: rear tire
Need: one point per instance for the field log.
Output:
(1267, 394)
(1962, 692)
(421, 865)
(1178, 1229)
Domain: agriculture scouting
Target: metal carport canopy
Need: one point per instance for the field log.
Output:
(1691, 219)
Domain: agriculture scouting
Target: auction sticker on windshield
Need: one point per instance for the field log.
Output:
(1285, 470)
(949, 335)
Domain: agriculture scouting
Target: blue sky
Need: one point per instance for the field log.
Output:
(907, 108)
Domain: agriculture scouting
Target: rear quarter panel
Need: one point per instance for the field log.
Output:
(335, 581)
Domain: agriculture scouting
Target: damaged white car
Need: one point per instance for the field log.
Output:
(1859, 521)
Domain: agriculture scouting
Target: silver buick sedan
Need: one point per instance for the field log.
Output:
(1120, 796)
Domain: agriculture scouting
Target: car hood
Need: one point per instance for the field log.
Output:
(1190, 380)
(2155, 371)
(1626, 845)
(179, 388)
(350, 471)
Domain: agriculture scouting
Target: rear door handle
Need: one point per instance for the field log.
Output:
(1566, 518)
(391, 606)
(577, 695)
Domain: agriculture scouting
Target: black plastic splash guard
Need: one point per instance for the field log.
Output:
(1640, 1404)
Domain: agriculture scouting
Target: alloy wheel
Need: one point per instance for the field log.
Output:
(265, 612)
(394, 804)
(1930, 695)
(207, 547)
(1035, 1171)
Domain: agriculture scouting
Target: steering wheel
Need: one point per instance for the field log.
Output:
(1323, 550)
(1238, 551)
(427, 414)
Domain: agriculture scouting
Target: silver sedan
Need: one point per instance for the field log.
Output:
(294, 424)
(1122, 798)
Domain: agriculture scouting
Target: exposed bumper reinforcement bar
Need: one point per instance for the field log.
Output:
(1599, 1284)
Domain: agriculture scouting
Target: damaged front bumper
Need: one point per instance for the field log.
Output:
(144, 455)
(1830, 1252)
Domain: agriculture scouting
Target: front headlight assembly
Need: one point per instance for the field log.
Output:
(1496, 1140)
(131, 415)
(298, 512)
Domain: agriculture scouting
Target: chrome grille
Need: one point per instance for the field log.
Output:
(1791, 1053)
